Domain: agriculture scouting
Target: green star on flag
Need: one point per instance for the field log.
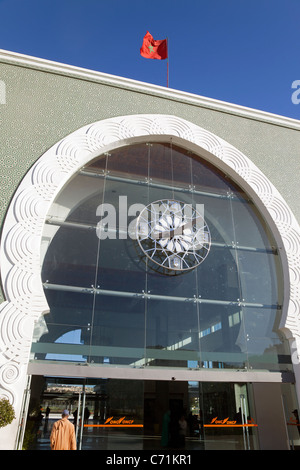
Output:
(153, 48)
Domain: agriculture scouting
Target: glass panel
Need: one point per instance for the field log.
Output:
(265, 349)
(78, 200)
(71, 258)
(117, 271)
(259, 277)
(120, 266)
(250, 228)
(209, 179)
(172, 333)
(129, 162)
(218, 277)
(218, 216)
(183, 285)
(118, 330)
(70, 245)
(221, 327)
(160, 164)
(181, 168)
(116, 418)
(64, 333)
(227, 416)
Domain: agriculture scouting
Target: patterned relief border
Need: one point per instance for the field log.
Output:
(21, 238)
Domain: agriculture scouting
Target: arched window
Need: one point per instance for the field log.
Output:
(148, 304)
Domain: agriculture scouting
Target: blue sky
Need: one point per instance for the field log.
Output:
(241, 51)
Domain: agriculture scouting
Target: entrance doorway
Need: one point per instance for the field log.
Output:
(115, 414)
(218, 415)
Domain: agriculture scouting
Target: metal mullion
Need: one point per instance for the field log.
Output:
(76, 225)
(93, 290)
(156, 185)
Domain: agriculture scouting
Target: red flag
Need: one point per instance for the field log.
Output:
(154, 49)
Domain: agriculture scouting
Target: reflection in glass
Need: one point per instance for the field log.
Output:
(172, 333)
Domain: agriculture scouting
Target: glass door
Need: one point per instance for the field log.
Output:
(113, 415)
(48, 398)
(119, 414)
(226, 418)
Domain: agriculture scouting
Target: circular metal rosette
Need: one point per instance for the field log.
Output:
(173, 235)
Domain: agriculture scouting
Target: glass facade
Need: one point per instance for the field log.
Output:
(109, 305)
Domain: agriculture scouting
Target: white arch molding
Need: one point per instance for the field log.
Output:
(22, 231)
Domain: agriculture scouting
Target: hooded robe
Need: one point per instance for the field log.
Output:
(63, 435)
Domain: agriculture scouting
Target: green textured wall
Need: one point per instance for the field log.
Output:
(42, 107)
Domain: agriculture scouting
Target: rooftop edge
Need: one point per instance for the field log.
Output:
(46, 65)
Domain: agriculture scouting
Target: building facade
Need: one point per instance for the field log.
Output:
(149, 263)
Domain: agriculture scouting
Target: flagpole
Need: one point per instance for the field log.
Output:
(168, 62)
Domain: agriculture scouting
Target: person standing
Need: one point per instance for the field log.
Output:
(182, 430)
(62, 436)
